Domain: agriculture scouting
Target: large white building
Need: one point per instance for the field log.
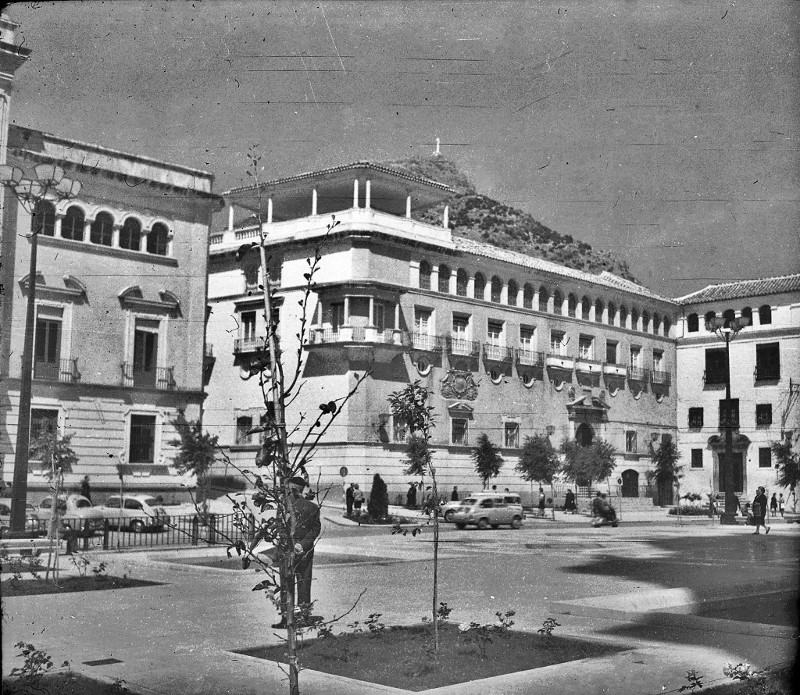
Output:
(764, 377)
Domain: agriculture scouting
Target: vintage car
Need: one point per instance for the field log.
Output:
(75, 511)
(136, 512)
(487, 509)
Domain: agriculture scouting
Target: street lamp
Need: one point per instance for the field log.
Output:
(727, 330)
(48, 183)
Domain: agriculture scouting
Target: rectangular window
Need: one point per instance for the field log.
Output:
(697, 458)
(460, 327)
(243, 424)
(765, 457)
(768, 362)
(635, 359)
(248, 325)
(557, 342)
(379, 316)
(695, 418)
(586, 347)
(145, 352)
(658, 360)
(630, 442)
(47, 355)
(729, 412)
(142, 439)
(764, 413)
(494, 333)
(716, 366)
(460, 432)
(611, 352)
(511, 435)
(337, 314)
(422, 321)
(44, 425)
(398, 429)
(526, 334)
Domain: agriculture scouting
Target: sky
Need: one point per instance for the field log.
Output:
(666, 133)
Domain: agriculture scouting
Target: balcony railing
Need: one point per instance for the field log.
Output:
(637, 374)
(460, 346)
(65, 371)
(250, 344)
(357, 334)
(161, 378)
(497, 353)
(660, 377)
(423, 341)
(530, 358)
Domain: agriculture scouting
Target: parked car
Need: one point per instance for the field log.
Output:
(486, 509)
(136, 512)
(76, 511)
(32, 520)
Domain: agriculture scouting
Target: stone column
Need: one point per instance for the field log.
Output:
(115, 235)
(368, 195)
(314, 202)
(355, 193)
(408, 207)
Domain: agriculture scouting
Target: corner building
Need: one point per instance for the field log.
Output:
(508, 344)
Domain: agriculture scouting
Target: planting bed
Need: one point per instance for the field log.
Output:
(235, 563)
(66, 585)
(401, 657)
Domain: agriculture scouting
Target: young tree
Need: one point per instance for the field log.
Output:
(55, 453)
(487, 459)
(378, 506)
(587, 463)
(666, 471)
(538, 461)
(788, 460)
(197, 452)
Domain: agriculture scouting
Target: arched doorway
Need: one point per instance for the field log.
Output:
(630, 483)
(584, 435)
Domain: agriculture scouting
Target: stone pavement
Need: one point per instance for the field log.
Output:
(179, 637)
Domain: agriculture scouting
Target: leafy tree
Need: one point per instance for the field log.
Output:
(418, 456)
(54, 452)
(538, 460)
(788, 460)
(197, 452)
(487, 459)
(666, 471)
(378, 506)
(587, 463)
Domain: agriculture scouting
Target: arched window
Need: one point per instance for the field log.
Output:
(73, 223)
(634, 320)
(728, 317)
(656, 324)
(572, 305)
(480, 286)
(462, 282)
(709, 316)
(424, 275)
(497, 289)
(558, 302)
(623, 317)
(667, 326)
(747, 313)
(130, 234)
(692, 324)
(157, 239)
(527, 296)
(44, 219)
(765, 314)
(612, 314)
(598, 311)
(444, 278)
(543, 297)
(102, 231)
(513, 291)
(645, 322)
(586, 306)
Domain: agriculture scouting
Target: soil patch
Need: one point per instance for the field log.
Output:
(67, 585)
(779, 608)
(65, 684)
(235, 563)
(401, 657)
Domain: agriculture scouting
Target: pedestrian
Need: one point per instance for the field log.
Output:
(411, 496)
(760, 511)
(597, 506)
(86, 491)
(454, 494)
(773, 505)
(348, 499)
(306, 529)
(781, 504)
(494, 488)
(358, 500)
(569, 503)
(542, 500)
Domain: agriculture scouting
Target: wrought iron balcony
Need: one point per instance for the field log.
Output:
(497, 353)
(358, 334)
(660, 378)
(161, 378)
(637, 373)
(423, 341)
(460, 346)
(249, 344)
(64, 371)
(529, 358)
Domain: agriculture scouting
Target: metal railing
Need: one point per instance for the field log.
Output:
(423, 341)
(637, 373)
(497, 353)
(660, 377)
(250, 344)
(460, 346)
(65, 371)
(530, 358)
(189, 529)
(161, 378)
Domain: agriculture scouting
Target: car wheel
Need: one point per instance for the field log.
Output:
(137, 526)
(516, 522)
(483, 524)
(448, 515)
(461, 526)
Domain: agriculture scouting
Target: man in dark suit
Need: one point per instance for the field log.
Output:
(306, 530)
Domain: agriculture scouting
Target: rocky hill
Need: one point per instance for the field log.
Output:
(479, 217)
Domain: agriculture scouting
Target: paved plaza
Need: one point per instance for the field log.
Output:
(638, 586)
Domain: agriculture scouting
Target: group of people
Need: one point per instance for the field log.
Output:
(353, 499)
(602, 511)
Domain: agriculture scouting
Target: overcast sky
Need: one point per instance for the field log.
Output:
(664, 132)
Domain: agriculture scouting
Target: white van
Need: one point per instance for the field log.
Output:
(488, 509)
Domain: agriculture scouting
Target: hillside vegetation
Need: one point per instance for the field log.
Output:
(481, 218)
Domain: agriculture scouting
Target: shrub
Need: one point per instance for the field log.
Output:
(689, 510)
(378, 505)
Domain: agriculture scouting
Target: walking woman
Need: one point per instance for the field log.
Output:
(760, 511)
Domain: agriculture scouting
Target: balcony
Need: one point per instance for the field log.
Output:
(660, 378)
(243, 346)
(357, 334)
(555, 360)
(637, 374)
(161, 378)
(529, 358)
(613, 369)
(63, 371)
(583, 364)
(462, 347)
(423, 341)
(497, 353)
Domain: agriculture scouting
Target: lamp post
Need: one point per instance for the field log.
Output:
(49, 183)
(727, 330)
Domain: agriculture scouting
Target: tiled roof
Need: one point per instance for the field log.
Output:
(743, 288)
(605, 278)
